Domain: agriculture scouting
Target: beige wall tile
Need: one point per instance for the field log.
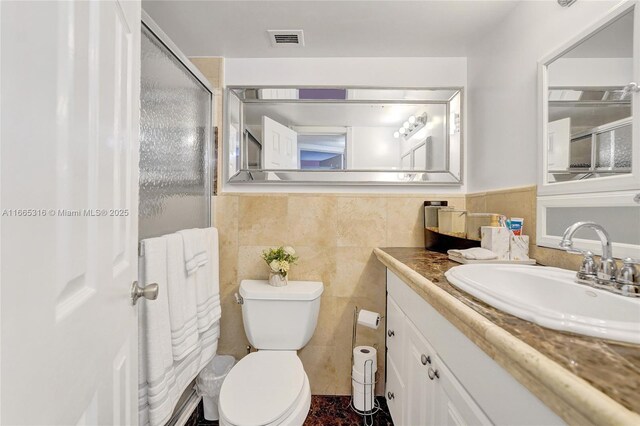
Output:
(361, 221)
(329, 326)
(210, 67)
(233, 340)
(358, 273)
(312, 221)
(315, 263)
(405, 222)
(319, 363)
(263, 220)
(251, 266)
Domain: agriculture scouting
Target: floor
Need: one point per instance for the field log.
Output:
(325, 410)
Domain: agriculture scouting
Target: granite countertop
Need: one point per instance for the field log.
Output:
(583, 379)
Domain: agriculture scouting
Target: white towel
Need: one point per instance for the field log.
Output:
(182, 301)
(155, 350)
(162, 378)
(157, 401)
(207, 283)
(475, 253)
(195, 249)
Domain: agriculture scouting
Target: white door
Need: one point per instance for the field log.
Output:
(279, 145)
(69, 177)
(420, 391)
(558, 144)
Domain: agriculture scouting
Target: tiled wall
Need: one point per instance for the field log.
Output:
(521, 202)
(334, 236)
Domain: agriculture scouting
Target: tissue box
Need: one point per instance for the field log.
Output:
(496, 239)
(519, 247)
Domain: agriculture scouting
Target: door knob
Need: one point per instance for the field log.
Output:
(390, 395)
(390, 333)
(150, 292)
(433, 373)
(425, 359)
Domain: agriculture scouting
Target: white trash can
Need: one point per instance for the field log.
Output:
(209, 383)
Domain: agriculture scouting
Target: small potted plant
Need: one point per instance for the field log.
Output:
(279, 261)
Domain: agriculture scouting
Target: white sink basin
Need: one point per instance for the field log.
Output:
(549, 297)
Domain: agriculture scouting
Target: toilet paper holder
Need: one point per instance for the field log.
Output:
(370, 381)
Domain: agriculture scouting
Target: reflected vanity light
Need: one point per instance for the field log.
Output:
(411, 126)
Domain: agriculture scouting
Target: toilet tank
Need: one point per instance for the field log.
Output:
(280, 318)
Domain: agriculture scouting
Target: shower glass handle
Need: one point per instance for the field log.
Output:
(149, 292)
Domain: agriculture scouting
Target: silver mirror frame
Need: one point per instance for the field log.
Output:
(629, 181)
(347, 177)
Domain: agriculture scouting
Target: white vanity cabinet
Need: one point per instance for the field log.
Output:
(437, 376)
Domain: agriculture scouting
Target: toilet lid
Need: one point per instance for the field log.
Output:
(261, 388)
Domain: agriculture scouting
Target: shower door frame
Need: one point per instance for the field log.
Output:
(164, 39)
(189, 399)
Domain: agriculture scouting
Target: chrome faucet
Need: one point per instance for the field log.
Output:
(606, 275)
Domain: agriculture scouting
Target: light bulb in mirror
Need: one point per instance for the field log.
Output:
(403, 130)
(412, 119)
(396, 135)
(406, 125)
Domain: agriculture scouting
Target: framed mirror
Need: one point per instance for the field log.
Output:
(589, 99)
(590, 135)
(344, 135)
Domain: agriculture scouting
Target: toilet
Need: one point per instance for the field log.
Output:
(270, 386)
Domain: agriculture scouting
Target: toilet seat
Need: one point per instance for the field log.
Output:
(265, 388)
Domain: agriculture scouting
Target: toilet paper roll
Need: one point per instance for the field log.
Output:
(362, 378)
(363, 396)
(368, 319)
(361, 354)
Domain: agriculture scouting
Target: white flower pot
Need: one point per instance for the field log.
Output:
(277, 280)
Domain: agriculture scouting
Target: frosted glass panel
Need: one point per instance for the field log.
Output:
(620, 222)
(175, 135)
(614, 148)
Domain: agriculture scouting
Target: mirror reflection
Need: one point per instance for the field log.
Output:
(589, 106)
(307, 133)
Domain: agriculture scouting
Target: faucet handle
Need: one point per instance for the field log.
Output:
(607, 270)
(628, 273)
(588, 264)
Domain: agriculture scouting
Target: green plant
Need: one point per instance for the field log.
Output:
(280, 259)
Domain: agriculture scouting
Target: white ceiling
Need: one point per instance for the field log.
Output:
(237, 29)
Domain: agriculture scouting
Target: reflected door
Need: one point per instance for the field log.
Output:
(70, 112)
(280, 145)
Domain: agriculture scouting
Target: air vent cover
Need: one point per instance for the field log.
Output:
(286, 38)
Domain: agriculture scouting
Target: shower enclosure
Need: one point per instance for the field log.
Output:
(177, 156)
(176, 131)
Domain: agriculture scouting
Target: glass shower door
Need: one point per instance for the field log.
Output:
(175, 143)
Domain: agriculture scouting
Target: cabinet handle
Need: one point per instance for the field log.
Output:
(390, 333)
(425, 359)
(390, 395)
(433, 373)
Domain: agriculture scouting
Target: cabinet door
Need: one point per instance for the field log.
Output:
(454, 405)
(395, 334)
(420, 391)
(394, 393)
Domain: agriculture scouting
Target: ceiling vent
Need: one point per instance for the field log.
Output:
(286, 38)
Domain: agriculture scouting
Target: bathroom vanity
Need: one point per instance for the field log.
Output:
(452, 359)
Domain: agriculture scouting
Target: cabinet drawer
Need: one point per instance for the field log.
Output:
(395, 333)
(394, 393)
